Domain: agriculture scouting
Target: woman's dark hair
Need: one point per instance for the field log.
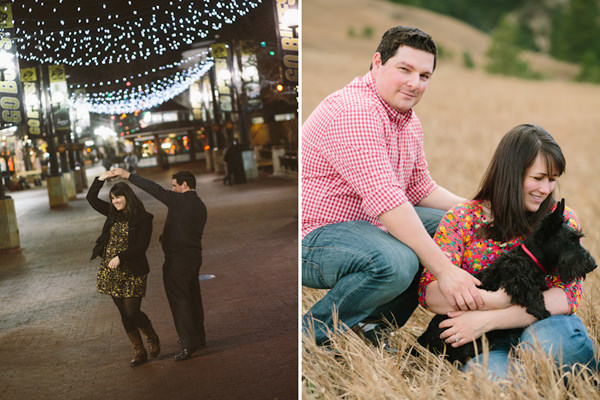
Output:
(134, 206)
(502, 184)
(399, 36)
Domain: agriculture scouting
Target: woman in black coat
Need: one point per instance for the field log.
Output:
(124, 267)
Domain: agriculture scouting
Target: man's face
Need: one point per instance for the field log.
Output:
(402, 80)
(177, 187)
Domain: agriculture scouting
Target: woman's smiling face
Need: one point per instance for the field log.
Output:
(119, 202)
(537, 184)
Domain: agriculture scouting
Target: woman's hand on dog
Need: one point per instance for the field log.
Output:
(464, 326)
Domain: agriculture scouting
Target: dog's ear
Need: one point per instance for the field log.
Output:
(560, 209)
(554, 221)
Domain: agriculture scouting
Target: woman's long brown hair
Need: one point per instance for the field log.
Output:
(502, 184)
(133, 207)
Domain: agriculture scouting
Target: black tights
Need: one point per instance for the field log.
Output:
(131, 315)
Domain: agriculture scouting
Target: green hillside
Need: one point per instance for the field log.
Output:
(564, 29)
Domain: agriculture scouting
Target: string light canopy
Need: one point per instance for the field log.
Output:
(143, 96)
(146, 73)
(102, 32)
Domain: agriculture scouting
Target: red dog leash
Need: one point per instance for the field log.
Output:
(530, 254)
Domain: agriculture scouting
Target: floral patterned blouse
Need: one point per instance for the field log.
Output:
(456, 237)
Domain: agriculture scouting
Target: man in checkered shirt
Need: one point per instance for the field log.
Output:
(369, 205)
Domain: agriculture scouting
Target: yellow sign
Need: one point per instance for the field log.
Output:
(59, 95)
(289, 43)
(31, 101)
(28, 75)
(11, 93)
(6, 17)
(219, 50)
(220, 54)
(57, 73)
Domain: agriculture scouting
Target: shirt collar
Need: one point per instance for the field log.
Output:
(394, 115)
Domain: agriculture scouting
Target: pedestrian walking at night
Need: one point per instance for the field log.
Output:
(182, 245)
(124, 267)
(235, 164)
(131, 160)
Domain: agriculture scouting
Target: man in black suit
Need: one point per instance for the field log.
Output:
(182, 244)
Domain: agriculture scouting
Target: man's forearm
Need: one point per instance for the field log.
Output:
(404, 224)
(441, 199)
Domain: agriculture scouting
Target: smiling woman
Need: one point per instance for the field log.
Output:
(516, 193)
(124, 267)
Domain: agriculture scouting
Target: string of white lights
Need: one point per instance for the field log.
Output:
(141, 97)
(112, 38)
(142, 74)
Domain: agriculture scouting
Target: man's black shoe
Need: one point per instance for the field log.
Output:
(185, 354)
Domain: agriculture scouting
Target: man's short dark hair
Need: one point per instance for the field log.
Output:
(185, 176)
(399, 36)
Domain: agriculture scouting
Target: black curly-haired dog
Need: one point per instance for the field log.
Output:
(552, 249)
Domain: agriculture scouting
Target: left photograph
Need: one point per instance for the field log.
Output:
(149, 199)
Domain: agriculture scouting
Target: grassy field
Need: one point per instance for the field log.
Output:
(464, 115)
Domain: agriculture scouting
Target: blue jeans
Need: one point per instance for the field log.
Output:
(564, 337)
(370, 273)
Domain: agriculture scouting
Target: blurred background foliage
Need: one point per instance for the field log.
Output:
(566, 30)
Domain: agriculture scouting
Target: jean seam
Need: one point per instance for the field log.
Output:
(368, 261)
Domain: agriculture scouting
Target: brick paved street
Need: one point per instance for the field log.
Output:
(59, 339)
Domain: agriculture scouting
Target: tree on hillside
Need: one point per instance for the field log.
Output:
(590, 68)
(575, 31)
(504, 55)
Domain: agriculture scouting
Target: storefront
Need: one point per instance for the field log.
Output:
(167, 144)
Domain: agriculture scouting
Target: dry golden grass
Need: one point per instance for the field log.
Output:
(464, 115)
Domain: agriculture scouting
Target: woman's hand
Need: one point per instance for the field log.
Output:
(114, 263)
(106, 175)
(465, 326)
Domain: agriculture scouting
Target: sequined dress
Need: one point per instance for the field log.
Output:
(119, 282)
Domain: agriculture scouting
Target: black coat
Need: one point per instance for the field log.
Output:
(140, 232)
(186, 218)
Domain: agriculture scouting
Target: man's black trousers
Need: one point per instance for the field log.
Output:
(180, 277)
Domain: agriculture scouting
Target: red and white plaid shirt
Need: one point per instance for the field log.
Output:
(360, 158)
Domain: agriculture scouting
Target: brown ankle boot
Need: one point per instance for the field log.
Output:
(152, 340)
(138, 346)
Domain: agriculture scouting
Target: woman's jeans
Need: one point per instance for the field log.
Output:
(564, 337)
(370, 273)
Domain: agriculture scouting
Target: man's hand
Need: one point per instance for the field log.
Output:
(123, 173)
(106, 175)
(460, 288)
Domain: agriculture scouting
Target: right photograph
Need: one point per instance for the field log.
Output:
(448, 199)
